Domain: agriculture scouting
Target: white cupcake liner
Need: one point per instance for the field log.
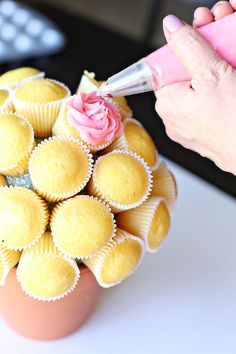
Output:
(7, 106)
(168, 184)
(63, 128)
(96, 263)
(40, 251)
(52, 222)
(8, 260)
(41, 115)
(138, 221)
(23, 82)
(21, 167)
(122, 144)
(56, 197)
(3, 181)
(117, 207)
(86, 85)
(45, 218)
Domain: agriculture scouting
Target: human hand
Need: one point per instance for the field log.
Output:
(201, 114)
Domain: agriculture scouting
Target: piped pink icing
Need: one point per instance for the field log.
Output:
(96, 119)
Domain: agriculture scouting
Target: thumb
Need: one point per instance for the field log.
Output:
(196, 54)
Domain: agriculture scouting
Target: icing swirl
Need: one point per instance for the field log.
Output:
(96, 119)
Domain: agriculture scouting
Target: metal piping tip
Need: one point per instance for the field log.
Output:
(137, 78)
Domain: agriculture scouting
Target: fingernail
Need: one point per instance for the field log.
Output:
(218, 4)
(172, 23)
(213, 10)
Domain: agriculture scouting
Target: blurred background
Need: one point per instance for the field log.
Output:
(136, 19)
(65, 37)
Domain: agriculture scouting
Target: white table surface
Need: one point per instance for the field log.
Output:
(181, 300)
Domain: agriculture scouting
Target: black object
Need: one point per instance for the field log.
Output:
(100, 50)
(154, 16)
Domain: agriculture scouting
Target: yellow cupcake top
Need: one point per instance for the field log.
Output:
(16, 137)
(13, 77)
(60, 167)
(81, 226)
(139, 141)
(41, 91)
(159, 227)
(117, 260)
(120, 262)
(4, 94)
(44, 273)
(23, 217)
(122, 177)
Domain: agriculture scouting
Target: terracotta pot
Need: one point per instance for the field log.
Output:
(48, 320)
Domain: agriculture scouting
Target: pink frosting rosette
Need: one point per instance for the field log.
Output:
(97, 120)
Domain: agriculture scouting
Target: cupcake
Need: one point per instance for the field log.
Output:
(81, 226)
(6, 105)
(44, 273)
(117, 260)
(8, 260)
(164, 185)
(122, 179)
(59, 168)
(23, 217)
(3, 181)
(40, 101)
(19, 76)
(150, 221)
(91, 119)
(17, 142)
(136, 138)
(89, 84)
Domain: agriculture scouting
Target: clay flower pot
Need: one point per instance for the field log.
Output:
(48, 320)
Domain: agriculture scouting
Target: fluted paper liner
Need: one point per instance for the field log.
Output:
(42, 251)
(42, 116)
(164, 185)
(63, 128)
(53, 223)
(7, 106)
(121, 143)
(8, 260)
(42, 218)
(117, 207)
(96, 263)
(139, 221)
(3, 181)
(23, 82)
(55, 197)
(21, 167)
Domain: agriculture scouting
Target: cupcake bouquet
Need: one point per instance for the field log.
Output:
(80, 183)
